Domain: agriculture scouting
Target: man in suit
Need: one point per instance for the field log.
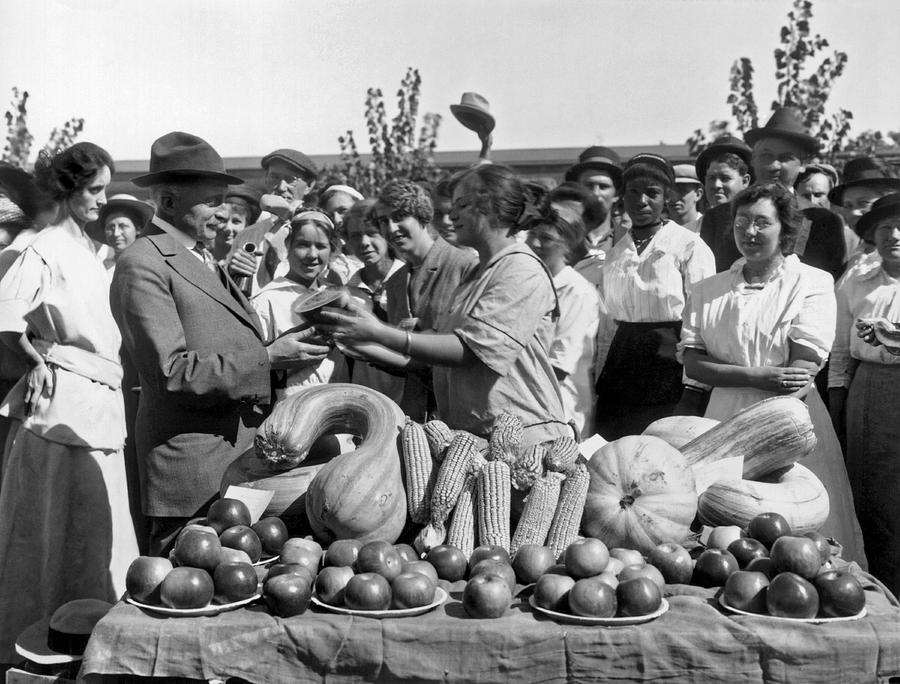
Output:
(204, 371)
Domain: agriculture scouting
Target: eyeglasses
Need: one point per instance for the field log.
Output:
(743, 223)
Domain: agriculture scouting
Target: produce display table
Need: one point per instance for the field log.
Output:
(695, 641)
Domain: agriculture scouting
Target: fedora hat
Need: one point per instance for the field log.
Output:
(63, 636)
(726, 144)
(883, 208)
(474, 112)
(600, 158)
(784, 123)
(293, 158)
(180, 155)
(862, 172)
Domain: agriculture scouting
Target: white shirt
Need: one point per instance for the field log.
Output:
(871, 294)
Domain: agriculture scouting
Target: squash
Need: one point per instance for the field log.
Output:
(771, 435)
(359, 494)
(679, 430)
(797, 494)
(641, 494)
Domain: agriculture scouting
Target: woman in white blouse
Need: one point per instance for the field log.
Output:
(872, 375)
(764, 328)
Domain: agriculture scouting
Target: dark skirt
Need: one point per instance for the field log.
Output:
(873, 465)
(641, 380)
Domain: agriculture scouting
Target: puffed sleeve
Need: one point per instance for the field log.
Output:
(814, 325)
(22, 289)
(699, 263)
(509, 311)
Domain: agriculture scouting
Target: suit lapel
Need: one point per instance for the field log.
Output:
(195, 272)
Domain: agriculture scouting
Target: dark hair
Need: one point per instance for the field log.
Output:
(593, 211)
(499, 194)
(789, 214)
(409, 199)
(442, 190)
(729, 159)
(320, 221)
(361, 213)
(569, 225)
(810, 171)
(71, 170)
(23, 191)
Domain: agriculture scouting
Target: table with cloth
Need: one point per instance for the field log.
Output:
(695, 641)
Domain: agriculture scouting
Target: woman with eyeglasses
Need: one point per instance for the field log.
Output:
(764, 328)
(490, 349)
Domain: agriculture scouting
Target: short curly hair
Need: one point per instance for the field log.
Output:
(785, 202)
(406, 198)
(64, 173)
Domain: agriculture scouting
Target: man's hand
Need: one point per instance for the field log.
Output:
(41, 382)
(297, 348)
(241, 263)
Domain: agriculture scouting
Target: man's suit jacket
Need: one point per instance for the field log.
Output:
(825, 246)
(202, 365)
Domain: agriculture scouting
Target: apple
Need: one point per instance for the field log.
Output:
(638, 596)
(186, 587)
(451, 563)
(763, 565)
(407, 553)
(144, 577)
(557, 569)
(796, 554)
(342, 552)
(644, 570)
(673, 561)
(822, 544)
(722, 535)
(713, 568)
(300, 550)
(229, 555)
(234, 581)
(486, 596)
(840, 594)
(767, 527)
(587, 557)
(290, 569)
(746, 590)
(244, 538)
(288, 595)
(488, 551)
(551, 592)
(615, 566)
(225, 513)
(627, 556)
(495, 567)
(611, 579)
(368, 591)
(422, 567)
(746, 549)
(330, 584)
(790, 595)
(411, 590)
(272, 533)
(592, 597)
(197, 549)
(380, 557)
(531, 561)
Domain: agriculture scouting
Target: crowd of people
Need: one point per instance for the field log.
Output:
(143, 342)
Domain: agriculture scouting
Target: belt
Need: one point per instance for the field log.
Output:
(81, 362)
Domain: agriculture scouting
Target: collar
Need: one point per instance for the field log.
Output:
(180, 237)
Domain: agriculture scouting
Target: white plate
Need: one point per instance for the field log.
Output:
(602, 621)
(440, 595)
(812, 621)
(211, 609)
(266, 561)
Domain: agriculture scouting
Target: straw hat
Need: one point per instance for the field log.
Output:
(63, 636)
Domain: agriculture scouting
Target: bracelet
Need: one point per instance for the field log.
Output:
(408, 348)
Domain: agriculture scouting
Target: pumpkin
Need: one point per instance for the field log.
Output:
(641, 494)
(359, 494)
(679, 430)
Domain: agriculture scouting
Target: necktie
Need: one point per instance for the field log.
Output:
(206, 255)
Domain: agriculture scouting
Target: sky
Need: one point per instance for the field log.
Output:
(250, 77)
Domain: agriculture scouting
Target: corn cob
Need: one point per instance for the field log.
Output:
(507, 435)
(493, 504)
(534, 523)
(528, 468)
(562, 455)
(462, 532)
(439, 437)
(446, 491)
(419, 471)
(566, 523)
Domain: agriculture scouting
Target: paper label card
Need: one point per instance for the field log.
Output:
(589, 446)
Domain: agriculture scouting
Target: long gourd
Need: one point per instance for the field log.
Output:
(797, 494)
(771, 435)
